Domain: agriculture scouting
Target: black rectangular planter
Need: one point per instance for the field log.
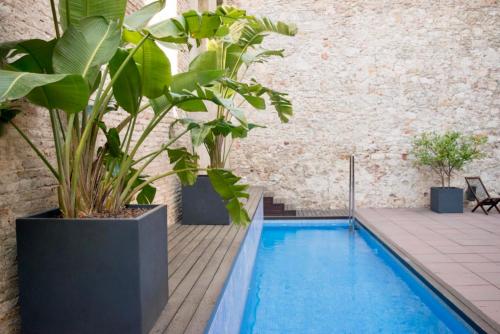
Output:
(447, 200)
(201, 205)
(92, 276)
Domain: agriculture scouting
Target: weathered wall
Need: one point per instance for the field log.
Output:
(26, 186)
(365, 77)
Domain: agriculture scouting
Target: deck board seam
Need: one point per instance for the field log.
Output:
(190, 269)
(187, 243)
(215, 274)
(219, 262)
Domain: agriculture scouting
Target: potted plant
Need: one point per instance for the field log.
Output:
(97, 263)
(234, 53)
(446, 154)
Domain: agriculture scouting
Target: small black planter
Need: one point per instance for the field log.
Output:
(201, 205)
(92, 275)
(447, 200)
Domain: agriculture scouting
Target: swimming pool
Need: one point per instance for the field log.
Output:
(320, 277)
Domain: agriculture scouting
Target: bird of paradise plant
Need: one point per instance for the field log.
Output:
(101, 60)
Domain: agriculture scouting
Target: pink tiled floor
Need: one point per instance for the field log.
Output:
(461, 250)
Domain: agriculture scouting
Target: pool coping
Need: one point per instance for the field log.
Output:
(253, 230)
(457, 299)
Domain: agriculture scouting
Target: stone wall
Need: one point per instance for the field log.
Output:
(26, 187)
(365, 78)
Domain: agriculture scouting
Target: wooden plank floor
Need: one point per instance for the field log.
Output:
(199, 260)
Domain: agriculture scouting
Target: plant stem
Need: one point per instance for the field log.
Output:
(95, 113)
(151, 158)
(37, 151)
(54, 18)
(155, 178)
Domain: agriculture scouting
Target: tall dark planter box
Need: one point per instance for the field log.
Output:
(92, 276)
(447, 200)
(201, 205)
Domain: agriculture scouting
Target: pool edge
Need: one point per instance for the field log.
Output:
(218, 322)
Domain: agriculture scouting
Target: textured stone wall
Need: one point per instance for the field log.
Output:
(365, 77)
(26, 187)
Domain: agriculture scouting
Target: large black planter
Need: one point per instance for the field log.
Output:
(201, 205)
(447, 200)
(92, 275)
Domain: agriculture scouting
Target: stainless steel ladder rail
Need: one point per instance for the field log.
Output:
(352, 205)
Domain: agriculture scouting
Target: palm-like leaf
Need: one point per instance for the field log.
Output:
(140, 18)
(127, 87)
(69, 94)
(154, 68)
(185, 165)
(73, 11)
(81, 50)
(14, 85)
(252, 94)
(260, 56)
(226, 185)
(255, 30)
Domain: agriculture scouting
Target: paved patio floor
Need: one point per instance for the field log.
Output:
(458, 253)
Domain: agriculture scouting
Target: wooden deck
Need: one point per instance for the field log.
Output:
(199, 260)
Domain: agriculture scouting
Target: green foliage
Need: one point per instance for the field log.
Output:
(226, 185)
(139, 19)
(73, 11)
(235, 45)
(185, 164)
(154, 69)
(127, 88)
(447, 153)
(103, 61)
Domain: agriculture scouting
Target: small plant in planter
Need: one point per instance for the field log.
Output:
(446, 154)
(98, 263)
(235, 50)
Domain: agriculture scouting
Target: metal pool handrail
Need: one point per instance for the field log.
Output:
(352, 207)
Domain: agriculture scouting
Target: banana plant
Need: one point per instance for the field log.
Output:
(101, 60)
(235, 48)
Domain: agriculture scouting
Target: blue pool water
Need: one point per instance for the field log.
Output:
(326, 279)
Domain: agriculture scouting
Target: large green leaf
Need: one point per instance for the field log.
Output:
(14, 85)
(154, 69)
(202, 25)
(281, 103)
(185, 164)
(82, 50)
(173, 30)
(127, 87)
(226, 185)
(69, 94)
(71, 12)
(147, 195)
(140, 18)
(188, 81)
(253, 92)
(36, 52)
(192, 106)
(204, 61)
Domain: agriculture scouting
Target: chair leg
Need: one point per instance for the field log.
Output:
(484, 210)
(496, 207)
(475, 208)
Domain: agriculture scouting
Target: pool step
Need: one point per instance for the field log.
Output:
(273, 208)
